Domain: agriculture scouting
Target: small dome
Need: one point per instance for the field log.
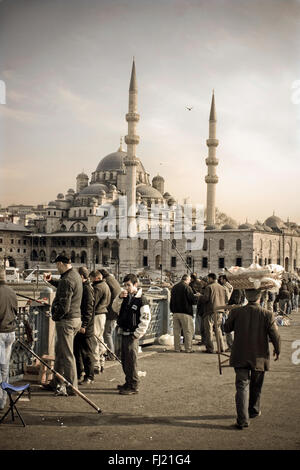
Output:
(82, 176)
(52, 203)
(211, 227)
(275, 222)
(102, 193)
(167, 195)
(60, 196)
(71, 191)
(93, 189)
(158, 178)
(246, 227)
(113, 187)
(228, 227)
(148, 191)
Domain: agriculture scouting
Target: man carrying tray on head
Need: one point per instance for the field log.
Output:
(250, 356)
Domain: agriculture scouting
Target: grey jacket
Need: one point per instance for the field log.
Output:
(252, 326)
(66, 304)
(8, 308)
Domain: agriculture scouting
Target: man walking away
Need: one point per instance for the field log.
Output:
(213, 297)
(181, 305)
(85, 341)
(67, 316)
(102, 299)
(8, 312)
(111, 316)
(133, 320)
(253, 326)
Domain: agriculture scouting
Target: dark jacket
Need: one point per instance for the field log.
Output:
(283, 293)
(214, 296)
(102, 297)
(252, 326)
(134, 314)
(115, 290)
(87, 308)
(8, 308)
(66, 304)
(237, 297)
(182, 298)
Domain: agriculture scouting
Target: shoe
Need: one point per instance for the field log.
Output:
(121, 387)
(48, 387)
(255, 415)
(190, 351)
(208, 352)
(101, 369)
(71, 392)
(241, 426)
(61, 391)
(86, 381)
(128, 391)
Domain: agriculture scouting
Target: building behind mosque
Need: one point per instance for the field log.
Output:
(74, 223)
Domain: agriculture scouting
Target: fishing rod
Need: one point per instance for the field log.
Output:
(61, 377)
(109, 350)
(34, 300)
(174, 246)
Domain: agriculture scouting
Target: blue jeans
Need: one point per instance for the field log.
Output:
(247, 403)
(110, 326)
(6, 342)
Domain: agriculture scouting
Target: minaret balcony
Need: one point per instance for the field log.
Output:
(211, 179)
(135, 117)
(211, 161)
(132, 139)
(131, 161)
(212, 142)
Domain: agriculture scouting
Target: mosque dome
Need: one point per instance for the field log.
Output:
(93, 189)
(113, 161)
(71, 191)
(211, 227)
(274, 222)
(228, 227)
(148, 191)
(158, 178)
(82, 176)
(246, 226)
(166, 195)
(60, 196)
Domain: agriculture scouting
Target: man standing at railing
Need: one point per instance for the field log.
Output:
(8, 312)
(67, 316)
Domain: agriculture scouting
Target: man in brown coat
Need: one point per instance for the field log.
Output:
(250, 356)
(213, 297)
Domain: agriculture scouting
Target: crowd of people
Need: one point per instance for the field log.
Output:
(97, 320)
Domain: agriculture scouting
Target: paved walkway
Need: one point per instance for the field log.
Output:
(184, 403)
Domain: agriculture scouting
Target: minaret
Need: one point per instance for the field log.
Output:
(211, 179)
(132, 140)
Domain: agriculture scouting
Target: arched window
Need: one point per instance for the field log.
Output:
(205, 244)
(238, 244)
(42, 255)
(53, 256)
(73, 256)
(221, 244)
(78, 227)
(189, 245)
(173, 244)
(145, 244)
(83, 257)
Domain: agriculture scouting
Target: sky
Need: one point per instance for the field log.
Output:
(66, 68)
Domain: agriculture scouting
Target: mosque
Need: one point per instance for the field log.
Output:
(71, 224)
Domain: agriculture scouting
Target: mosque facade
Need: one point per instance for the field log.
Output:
(74, 223)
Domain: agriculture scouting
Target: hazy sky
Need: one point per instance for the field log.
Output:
(66, 65)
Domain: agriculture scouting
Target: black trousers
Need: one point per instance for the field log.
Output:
(84, 350)
(129, 355)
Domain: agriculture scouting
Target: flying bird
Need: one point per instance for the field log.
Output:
(189, 108)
